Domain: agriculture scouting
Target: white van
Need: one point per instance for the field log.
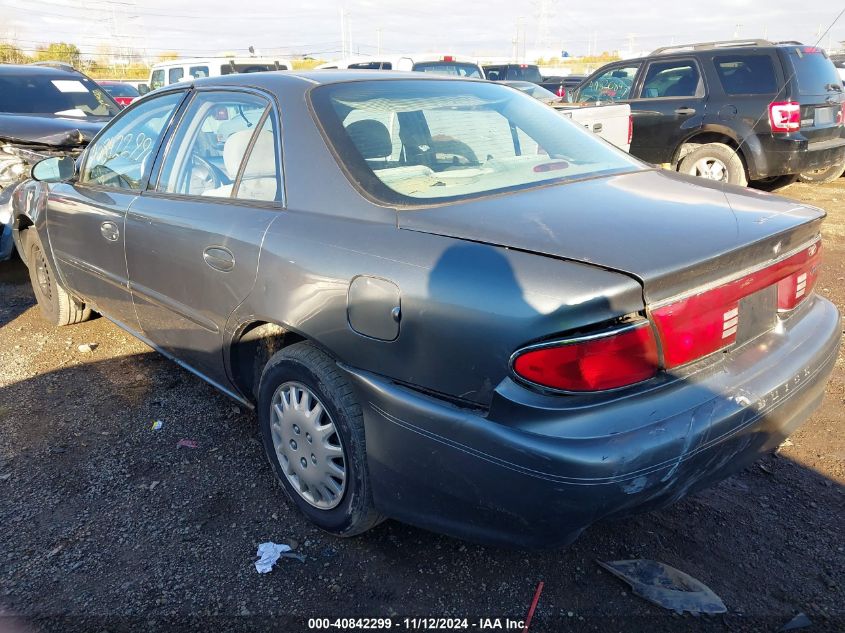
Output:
(171, 72)
(425, 62)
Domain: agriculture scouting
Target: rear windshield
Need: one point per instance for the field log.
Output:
(228, 69)
(370, 66)
(417, 142)
(120, 90)
(524, 73)
(449, 68)
(814, 71)
(746, 74)
(68, 95)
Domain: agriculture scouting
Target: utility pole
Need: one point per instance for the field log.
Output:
(631, 39)
(342, 32)
(378, 41)
(737, 29)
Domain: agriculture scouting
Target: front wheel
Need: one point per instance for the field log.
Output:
(57, 306)
(715, 161)
(819, 176)
(312, 429)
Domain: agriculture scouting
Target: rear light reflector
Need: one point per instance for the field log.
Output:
(594, 363)
(630, 128)
(695, 326)
(785, 116)
(793, 289)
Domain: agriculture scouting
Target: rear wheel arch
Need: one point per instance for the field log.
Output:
(251, 348)
(705, 137)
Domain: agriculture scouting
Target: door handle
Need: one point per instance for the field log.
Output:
(685, 111)
(109, 231)
(219, 258)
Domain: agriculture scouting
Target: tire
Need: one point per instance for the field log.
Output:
(820, 176)
(775, 182)
(57, 306)
(719, 159)
(303, 366)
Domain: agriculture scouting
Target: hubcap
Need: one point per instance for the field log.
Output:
(308, 445)
(42, 274)
(710, 168)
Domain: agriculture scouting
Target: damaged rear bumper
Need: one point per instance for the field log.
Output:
(533, 474)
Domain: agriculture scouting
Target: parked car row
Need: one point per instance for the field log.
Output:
(462, 311)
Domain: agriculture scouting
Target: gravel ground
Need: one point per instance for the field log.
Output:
(106, 525)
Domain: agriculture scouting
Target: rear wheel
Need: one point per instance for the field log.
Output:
(834, 172)
(56, 305)
(313, 433)
(715, 161)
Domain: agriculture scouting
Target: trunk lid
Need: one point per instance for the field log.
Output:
(670, 232)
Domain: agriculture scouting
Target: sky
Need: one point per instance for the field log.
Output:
(482, 29)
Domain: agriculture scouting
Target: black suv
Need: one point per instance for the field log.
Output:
(731, 111)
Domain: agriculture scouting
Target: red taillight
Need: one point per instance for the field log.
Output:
(793, 289)
(448, 58)
(840, 117)
(609, 361)
(561, 92)
(703, 323)
(785, 116)
(630, 128)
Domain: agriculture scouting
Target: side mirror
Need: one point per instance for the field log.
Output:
(143, 89)
(54, 169)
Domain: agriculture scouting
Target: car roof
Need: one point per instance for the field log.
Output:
(22, 70)
(279, 78)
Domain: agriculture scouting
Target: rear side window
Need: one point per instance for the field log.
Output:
(671, 79)
(198, 72)
(746, 74)
(212, 139)
(174, 75)
(813, 70)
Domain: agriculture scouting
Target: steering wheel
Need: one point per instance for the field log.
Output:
(204, 175)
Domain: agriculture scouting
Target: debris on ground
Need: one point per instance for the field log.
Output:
(5, 477)
(666, 586)
(268, 553)
(87, 348)
(800, 621)
(766, 469)
(183, 443)
(157, 424)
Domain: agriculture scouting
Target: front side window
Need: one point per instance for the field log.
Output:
(612, 85)
(122, 156)
(746, 74)
(411, 143)
(671, 79)
(206, 152)
(157, 79)
(174, 75)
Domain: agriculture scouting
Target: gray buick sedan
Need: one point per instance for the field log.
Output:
(448, 304)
